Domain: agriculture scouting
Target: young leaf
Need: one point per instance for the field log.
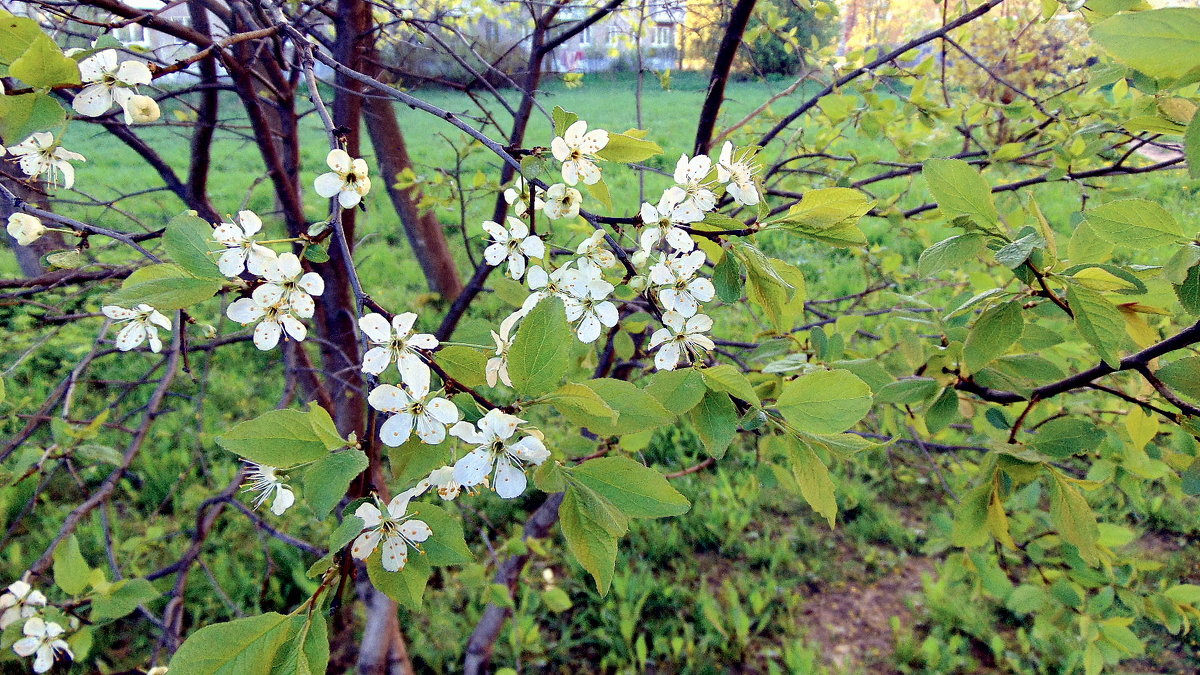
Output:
(1162, 43)
(187, 241)
(122, 598)
(164, 287)
(813, 478)
(580, 404)
(732, 381)
(625, 149)
(1098, 321)
(282, 438)
(405, 586)
(970, 517)
(636, 410)
(825, 402)
(1073, 517)
(716, 422)
(591, 526)
(248, 645)
(677, 390)
(71, 571)
(1135, 222)
(1063, 437)
(465, 364)
(540, 353)
(960, 190)
(637, 490)
(43, 65)
(326, 480)
(727, 278)
(951, 253)
(996, 330)
(447, 545)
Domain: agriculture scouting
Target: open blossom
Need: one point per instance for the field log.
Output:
(586, 303)
(679, 337)
(494, 452)
(663, 221)
(576, 149)
(497, 366)
(545, 285)
(681, 290)
(562, 202)
(295, 285)
(109, 83)
(395, 526)
(522, 194)
(396, 341)
(25, 228)
(737, 171)
(19, 601)
(690, 174)
(594, 251)
(266, 484)
(412, 407)
(143, 325)
(41, 153)
(42, 641)
(514, 244)
(274, 315)
(242, 251)
(442, 480)
(348, 181)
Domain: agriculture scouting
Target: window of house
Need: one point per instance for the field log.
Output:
(491, 32)
(132, 34)
(585, 37)
(664, 35)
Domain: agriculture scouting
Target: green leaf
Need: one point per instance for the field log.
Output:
(907, 390)
(122, 598)
(248, 645)
(283, 438)
(164, 287)
(316, 253)
(556, 600)
(465, 364)
(636, 410)
(625, 149)
(716, 422)
(71, 571)
(591, 526)
(1188, 292)
(43, 65)
(1162, 43)
(1060, 438)
(599, 192)
(812, 476)
(960, 190)
(677, 390)
(637, 490)
(16, 35)
(414, 460)
(732, 381)
(188, 242)
(1098, 321)
(447, 545)
(540, 354)
(327, 479)
(825, 402)
(1182, 375)
(581, 405)
(765, 286)
(1134, 222)
(951, 253)
(994, 333)
(829, 215)
(562, 120)
(727, 278)
(1073, 518)
(1012, 254)
(307, 652)
(23, 115)
(1191, 147)
(405, 586)
(942, 411)
(970, 517)
(1184, 594)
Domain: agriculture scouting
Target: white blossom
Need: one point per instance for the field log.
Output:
(412, 407)
(690, 174)
(494, 452)
(143, 325)
(680, 336)
(19, 601)
(576, 149)
(442, 481)
(274, 315)
(663, 221)
(594, 251)
(681, 290)
(142, 109)
(522, 194)
(395, 526)
(42, 641)
(586, 303)
(295, 285)
(497, 366)
(266, 484)
(397, 341)
(109, 83)
(737, 172)
(515, 244)
(25, 228)
(348, 181)
(41, 153)
(562, 202)
(242, 252)
(545, 285)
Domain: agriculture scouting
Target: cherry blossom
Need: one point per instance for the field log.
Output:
(19, 601)
(690, 174)
(522, 194)
(587, 304)
(25, 228)
(348, 181)
(295, 285)
(274, 315)
(562, 202)
(682, 291)
(242, 253)
(737, 171)
(395, 526)
(515, 244)
(41, 153)
(143, 325)
(494, 452)
(576, 149)
(397, 341)
(109, 83)
(679, 337)
(442, 481)
(265, 482)
(662, 221)
(545, 285)
(497, 366)
(594, 251)
(42, 641)
(412, 407)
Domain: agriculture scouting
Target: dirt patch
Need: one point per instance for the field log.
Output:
(852, 622)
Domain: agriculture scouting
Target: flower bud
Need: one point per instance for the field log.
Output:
(317, 228)
(25, 228)
(640, 258)
(637, 284)
(142, 109)
(207, 331)
(407, 15)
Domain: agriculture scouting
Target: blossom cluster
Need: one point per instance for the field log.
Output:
(41, 638)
